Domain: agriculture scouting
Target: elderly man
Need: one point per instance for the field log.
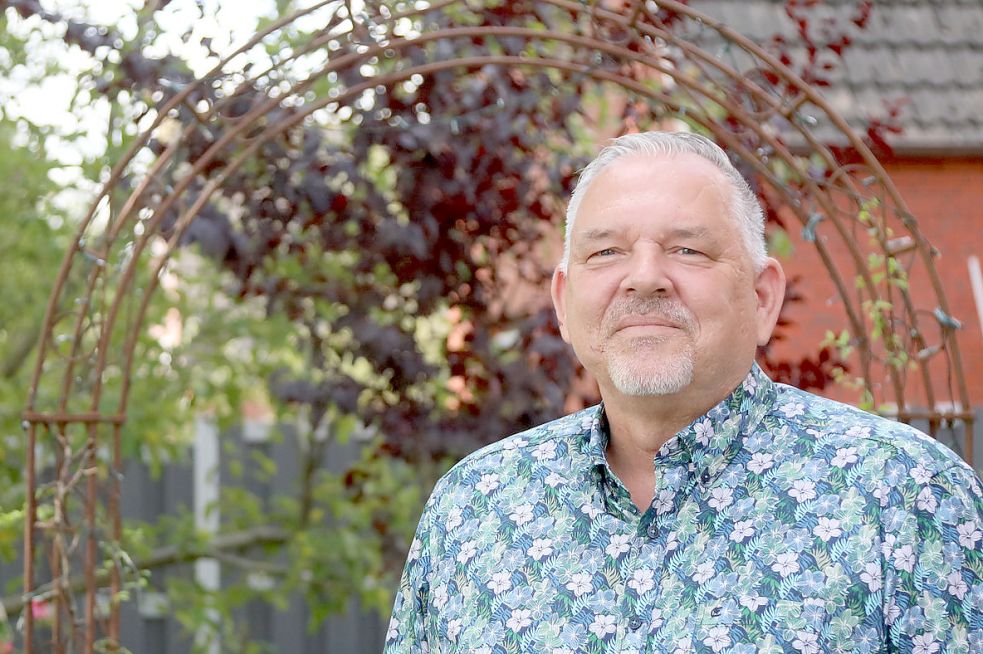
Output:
(701, 507)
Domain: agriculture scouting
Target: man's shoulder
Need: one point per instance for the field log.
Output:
(557, 439)
(839, 425)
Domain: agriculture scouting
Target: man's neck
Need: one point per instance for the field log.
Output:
(639, 426)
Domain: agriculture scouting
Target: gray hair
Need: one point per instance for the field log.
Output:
(744, 206)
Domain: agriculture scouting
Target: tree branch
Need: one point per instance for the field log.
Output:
(163, 556)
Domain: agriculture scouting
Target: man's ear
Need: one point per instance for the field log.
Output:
(769, 288)
(557, 290)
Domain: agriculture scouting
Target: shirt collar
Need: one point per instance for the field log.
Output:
(711, 440)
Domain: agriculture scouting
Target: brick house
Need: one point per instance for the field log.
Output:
(927, 59)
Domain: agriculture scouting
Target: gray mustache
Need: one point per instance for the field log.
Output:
(655, 307)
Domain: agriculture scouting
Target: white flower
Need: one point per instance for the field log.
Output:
(925, 644)
(752, 602)
(509, 444)
(393, 630)
(440, 597)
(590, 510)
(717, 639)
(882, 492)
(453, 629)
(760, 462)
(721, 497)
(792, 409)
(704, 432)
(656, 618)
(642, 581)
(579, 583)
(920, 474)
(468, 549)
(872, 577)
(806, 642)
(620, 543)
(415, 548)
(602, 626)
(893, 612)
(904, 558)
(520, 619)
(545, 450)
(663, 503)
(540, 548)
(858, 431)
(553, 479)
(844, 457)
(454, 518)
(742, 531)
(968, 534)
(802, 490)
(522, 514)
(827, 529)
(703, 572)
(786, 563)
(927, 501)
(957, 586)
(500, 582)
(487, 484)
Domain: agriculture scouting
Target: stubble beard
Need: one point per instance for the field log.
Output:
(651, 365)
(635, 373)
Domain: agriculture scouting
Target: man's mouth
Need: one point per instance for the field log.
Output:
(644, 324)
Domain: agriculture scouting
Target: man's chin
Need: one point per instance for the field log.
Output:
(639, 381)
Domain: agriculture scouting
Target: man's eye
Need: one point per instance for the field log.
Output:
(603, 253)
(688, 251)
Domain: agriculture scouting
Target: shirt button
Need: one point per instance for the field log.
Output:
(705, 477)
(635, 623)
(653, 531)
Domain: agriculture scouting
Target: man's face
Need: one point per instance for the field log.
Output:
(660, 294)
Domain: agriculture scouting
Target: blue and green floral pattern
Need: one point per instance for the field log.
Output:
(781, 522)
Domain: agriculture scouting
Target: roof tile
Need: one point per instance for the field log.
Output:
(928, 50)
(960, 24)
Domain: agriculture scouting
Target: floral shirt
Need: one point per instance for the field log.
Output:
(781, 522)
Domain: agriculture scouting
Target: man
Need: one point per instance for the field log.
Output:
(701, 507)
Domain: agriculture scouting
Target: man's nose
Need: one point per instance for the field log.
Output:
(648, 272)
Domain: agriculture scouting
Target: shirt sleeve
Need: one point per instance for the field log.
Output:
(407, 628)
(933, 563)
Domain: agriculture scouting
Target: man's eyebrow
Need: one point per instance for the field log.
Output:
(601, 233)
(596, 234)
(687, 232)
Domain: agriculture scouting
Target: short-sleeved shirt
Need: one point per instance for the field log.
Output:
(780, 522)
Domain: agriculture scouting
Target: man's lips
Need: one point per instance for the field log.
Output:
(644, 322)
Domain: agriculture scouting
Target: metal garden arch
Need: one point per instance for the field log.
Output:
(667, 55)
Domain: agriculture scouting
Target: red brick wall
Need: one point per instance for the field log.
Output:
(946, 197)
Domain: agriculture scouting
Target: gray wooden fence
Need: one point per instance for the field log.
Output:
(148, 626)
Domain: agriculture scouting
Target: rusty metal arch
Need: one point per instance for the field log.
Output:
(89, 330)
